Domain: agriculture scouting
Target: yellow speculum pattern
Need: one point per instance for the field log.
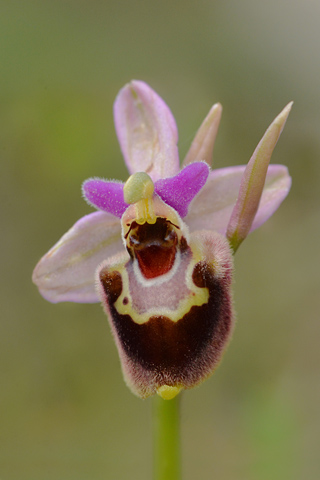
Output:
(195, 296)
(138, 190)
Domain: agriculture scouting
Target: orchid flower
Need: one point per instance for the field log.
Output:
(158, 253)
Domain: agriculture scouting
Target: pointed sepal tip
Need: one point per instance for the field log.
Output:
(253, 181)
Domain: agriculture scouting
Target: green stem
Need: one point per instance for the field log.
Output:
(166, 439)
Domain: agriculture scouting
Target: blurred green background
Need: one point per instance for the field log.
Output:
(65, 411)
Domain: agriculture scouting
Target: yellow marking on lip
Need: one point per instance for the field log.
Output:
(196, 296)
(183, 308)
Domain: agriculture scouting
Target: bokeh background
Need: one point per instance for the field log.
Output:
(65, 411)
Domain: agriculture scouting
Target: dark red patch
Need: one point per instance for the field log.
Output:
(155, 260)
(154, 246)
(200, 274)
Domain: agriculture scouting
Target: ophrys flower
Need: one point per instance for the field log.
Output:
(159, 252)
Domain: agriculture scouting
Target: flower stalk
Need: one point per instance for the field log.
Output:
(166, 438)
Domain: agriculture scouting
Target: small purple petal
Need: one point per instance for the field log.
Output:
(67, 272)
(105, 195)
(146, 131)
(203, 143)
(180, 190)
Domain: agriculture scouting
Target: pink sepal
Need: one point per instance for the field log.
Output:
(66, 273)
(212, 207)
(146, 131)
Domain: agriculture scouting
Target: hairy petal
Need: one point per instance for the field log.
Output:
(253, 181)
(146, 131)
(67, 272)
(105, 195)
(212, 207)
(179, 191)
(171, 331)
(203, 143)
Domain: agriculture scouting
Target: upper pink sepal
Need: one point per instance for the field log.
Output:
(253, 181)
(67, 272)
(146, 131)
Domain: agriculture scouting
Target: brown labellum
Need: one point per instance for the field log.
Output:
(171, 312)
